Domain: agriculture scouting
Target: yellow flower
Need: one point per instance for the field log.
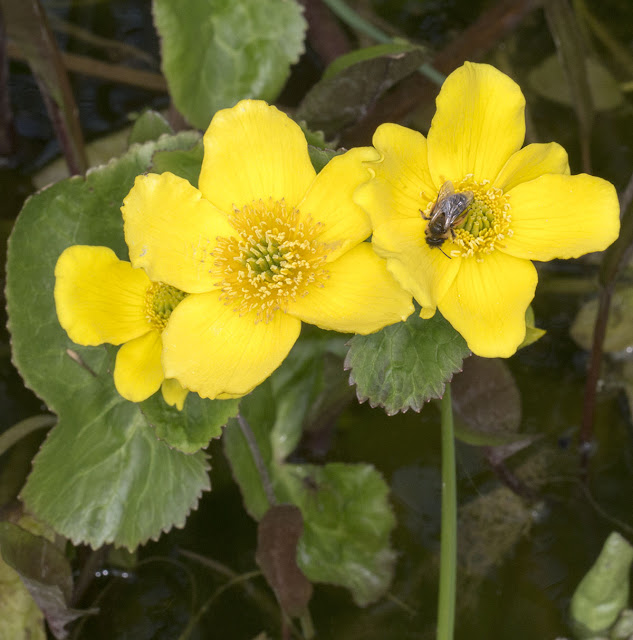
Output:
(101, 299)
(525, 206)
(263, 245)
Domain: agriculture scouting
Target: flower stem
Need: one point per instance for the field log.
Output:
(448, 555)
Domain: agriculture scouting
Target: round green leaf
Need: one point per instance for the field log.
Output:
(102, 475)
(406, 364)
(217, 52)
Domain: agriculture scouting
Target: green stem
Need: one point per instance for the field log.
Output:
(448, 556)
(356, 22)
(22, 429)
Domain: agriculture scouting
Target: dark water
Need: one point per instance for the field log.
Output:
(524, 560)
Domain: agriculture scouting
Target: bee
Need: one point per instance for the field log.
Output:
(448, 211)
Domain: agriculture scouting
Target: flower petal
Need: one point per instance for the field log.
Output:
(98, 297)
(254, 151)
(478, 125)
(402, 185)
(360, 296)
(174, 394)
(213, 350)
(531, 162)
(329, 201)
(424, 271)
(138, 373)
(171, 230)
(558, 216)
(487, 303)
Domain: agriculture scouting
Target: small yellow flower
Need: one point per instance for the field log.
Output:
(101, 299)
(263, 245)
(525, 206)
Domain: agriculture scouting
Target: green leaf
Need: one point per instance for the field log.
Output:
(347, 520)
(406, 364)
(320, 157)
(192, 428)
(102, 475)
(604, 591)
(353, 83)
(218, 51)
(185, 163)
(150, 125)
(619, 336)
(45, 572)
(550, 81)
(258, 409)
(346, 513)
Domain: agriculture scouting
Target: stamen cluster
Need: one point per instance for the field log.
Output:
(160, 300)
(275, 259)
(487, 222)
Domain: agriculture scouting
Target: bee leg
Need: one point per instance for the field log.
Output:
(423, 216)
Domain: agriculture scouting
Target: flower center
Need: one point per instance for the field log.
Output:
(160, 300)
(487, 220)
(274, 261)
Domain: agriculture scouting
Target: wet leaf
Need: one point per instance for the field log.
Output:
(150, 125)
(277, 536)
(45, 572)
(619, 336)
(352, 84)
(217, 52)
(101, 475)
(406, 364)
(549, 80)
(604, 591)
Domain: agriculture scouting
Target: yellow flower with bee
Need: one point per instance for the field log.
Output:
(459, 216)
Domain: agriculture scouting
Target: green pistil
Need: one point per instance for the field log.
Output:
(480, 218)
(162, 299)
(265, 259)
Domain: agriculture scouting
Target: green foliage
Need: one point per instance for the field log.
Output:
(218, 51)
(406, 364)
(185, 163)
(604, 591)
(346, 514)
(150, 125)
(45, 572)
(352, 84)
(102, 475)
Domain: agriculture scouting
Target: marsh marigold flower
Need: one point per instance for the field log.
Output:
(101, 299)
(525, 206)
(262, 245)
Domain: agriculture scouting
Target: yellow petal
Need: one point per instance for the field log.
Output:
(138, 373)
(98, 297)
(171, 230)
(174, 394)
(360, 296)
(213, 350)
(402, 185)
(487, 303)
(531, 162)
(329, 201)
(558, 216)
(424, 271)
(478, 125)
(254, 151)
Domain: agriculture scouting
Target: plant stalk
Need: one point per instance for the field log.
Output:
(448, 553)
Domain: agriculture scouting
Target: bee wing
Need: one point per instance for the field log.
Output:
(456, 207)
(445, 190)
